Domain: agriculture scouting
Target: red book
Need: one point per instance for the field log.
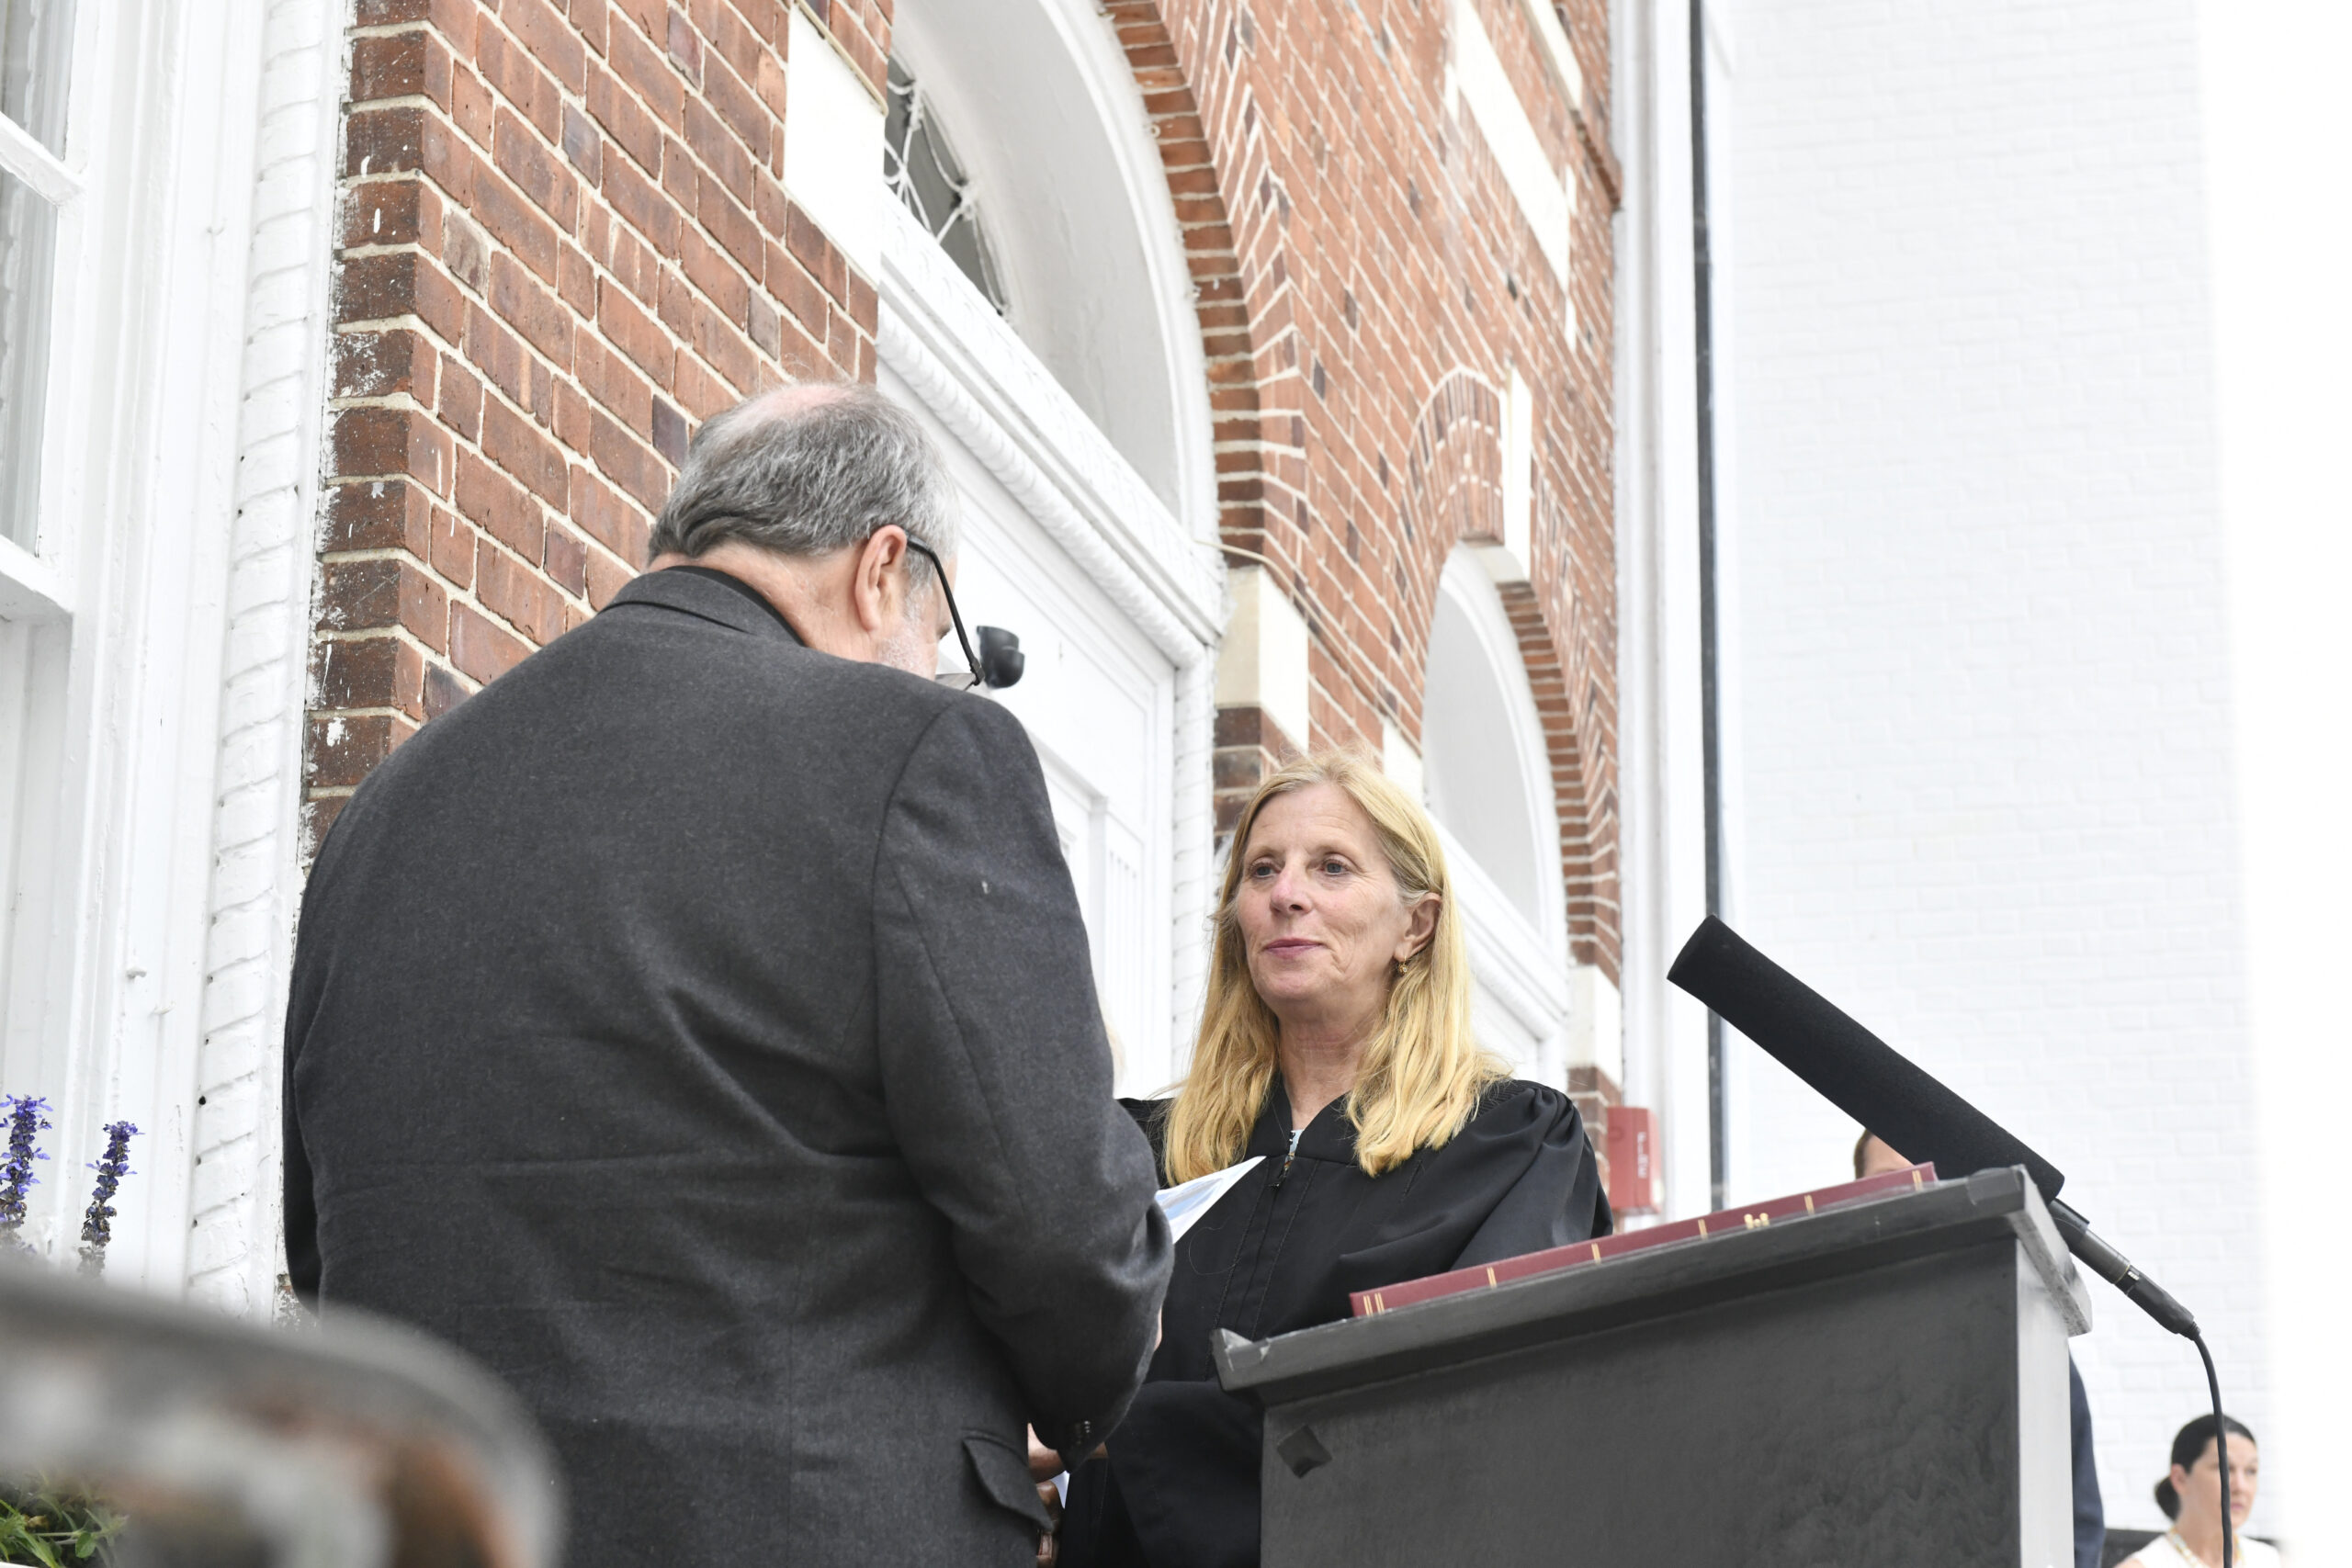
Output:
(1754, 1216)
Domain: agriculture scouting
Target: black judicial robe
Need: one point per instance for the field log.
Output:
(1282, 1251)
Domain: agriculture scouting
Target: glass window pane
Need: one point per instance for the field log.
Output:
(35, 38)
(28, 238)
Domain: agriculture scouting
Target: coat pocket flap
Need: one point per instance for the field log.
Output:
(1004, 1476)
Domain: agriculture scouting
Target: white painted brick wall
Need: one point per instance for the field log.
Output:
(256, 887)
(1978, 643)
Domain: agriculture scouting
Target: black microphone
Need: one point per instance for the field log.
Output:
(1877, 1085)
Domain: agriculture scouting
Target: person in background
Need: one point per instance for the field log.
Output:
(1335, 1045)
(696, 1026)
(1874, 1158)
(2190, 1495)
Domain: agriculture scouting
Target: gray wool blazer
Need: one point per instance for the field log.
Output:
(699, 1031)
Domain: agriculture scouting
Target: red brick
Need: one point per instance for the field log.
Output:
(379, 593)
(728, 223)
(627, 462)
(717, 146)
(523, 451)
(498, 354)
(357, 671)
(383, 142)
(388, 66)
(480, 647)
(741, 108)
(383, 364)
(606, 577)
(515, 223)
(500, 507)
(614, 108)
(576, 281)
(567, 560)
(629, 330)
(461, 402)
(517, 595)
(590, 16)
(343, 750)
(711, 272)
(473, 108)
(641, 204)
(550, 39)
(606, 377)
(388, 441)
(607, 517)
(449, 549)
(377, 515)
(648, 75)
(538, 315)
(383, 213)
(528, 162)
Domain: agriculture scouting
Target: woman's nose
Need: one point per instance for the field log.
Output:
(1289, 890)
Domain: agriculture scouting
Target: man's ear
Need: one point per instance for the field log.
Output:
(1421, 925)
(878, 590)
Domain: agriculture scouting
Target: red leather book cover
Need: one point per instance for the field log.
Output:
(1752, 1216)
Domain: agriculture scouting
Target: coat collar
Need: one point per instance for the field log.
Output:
(1328, 1136)
(732, 604)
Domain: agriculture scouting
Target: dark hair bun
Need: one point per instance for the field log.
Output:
(2167, 1499)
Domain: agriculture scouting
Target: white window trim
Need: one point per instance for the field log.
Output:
(22, 154)
(981, 381)
(161, 417)
(1517, 966)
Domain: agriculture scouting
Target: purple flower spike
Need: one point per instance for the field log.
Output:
(27, 1117)
(98, 1223)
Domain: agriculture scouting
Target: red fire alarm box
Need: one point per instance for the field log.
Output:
(1633, 1160)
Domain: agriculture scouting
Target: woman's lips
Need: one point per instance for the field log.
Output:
(1290, 947)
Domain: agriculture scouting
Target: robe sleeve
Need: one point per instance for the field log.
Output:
(1557, 1199)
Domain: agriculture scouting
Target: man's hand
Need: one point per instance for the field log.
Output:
(1044, 1465)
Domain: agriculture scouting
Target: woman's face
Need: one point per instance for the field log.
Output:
(1322, 919)
(2199, 1487)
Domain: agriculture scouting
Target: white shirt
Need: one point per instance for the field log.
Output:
(2164, 1552)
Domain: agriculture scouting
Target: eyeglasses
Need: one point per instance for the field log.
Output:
(979, 676)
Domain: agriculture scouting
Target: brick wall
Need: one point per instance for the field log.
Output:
(1366, 283)
(565, 242)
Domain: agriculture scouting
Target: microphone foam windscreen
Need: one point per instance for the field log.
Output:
(1852, 1069)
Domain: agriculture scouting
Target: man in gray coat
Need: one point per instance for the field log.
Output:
(696, 1026)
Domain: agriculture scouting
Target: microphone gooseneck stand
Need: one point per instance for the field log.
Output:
(1901, 1103)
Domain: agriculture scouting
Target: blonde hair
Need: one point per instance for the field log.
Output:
(1422, 1071)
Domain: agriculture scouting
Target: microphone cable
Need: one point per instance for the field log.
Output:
(2221, 1448)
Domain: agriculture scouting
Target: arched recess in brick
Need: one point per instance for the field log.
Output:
(1220, 293)
(1453, 491)
(1453, 496)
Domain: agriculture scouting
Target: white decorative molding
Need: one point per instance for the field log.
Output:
(985, 384)
(255, 888)
(1194, 889)
(981, 382)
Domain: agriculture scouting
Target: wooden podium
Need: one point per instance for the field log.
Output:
(1878, 1385)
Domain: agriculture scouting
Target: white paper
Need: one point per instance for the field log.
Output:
(1187, 1203)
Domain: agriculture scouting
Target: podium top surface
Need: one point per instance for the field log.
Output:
(2000, 1205)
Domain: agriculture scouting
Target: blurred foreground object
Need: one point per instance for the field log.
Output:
(357, 1444)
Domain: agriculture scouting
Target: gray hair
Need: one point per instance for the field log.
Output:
(811, 478)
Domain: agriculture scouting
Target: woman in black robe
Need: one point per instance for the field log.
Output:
(1335, 1043)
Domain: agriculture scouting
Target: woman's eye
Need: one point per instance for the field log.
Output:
(1335, 868)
